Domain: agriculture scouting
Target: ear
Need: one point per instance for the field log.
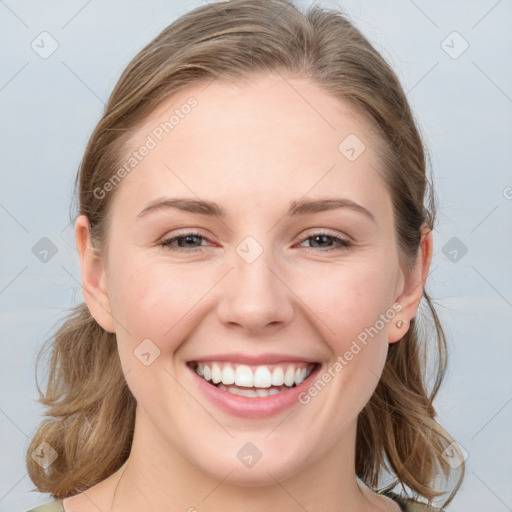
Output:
(93, 276)
(413, 286)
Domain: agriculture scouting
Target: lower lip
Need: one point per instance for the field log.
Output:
(253, 407)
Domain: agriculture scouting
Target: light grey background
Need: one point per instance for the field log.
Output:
(464, 105)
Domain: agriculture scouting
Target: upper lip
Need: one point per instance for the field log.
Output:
(260, 359)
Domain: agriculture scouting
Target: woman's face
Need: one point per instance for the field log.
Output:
(253, 286)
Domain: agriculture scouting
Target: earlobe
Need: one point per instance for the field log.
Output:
(93, 276)
(413, 286)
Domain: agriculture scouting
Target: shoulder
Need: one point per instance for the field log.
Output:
(410, 505)
(52, 506)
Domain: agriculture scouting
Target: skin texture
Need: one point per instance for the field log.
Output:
(252, 148)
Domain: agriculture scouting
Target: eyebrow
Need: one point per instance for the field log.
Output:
(296, 208)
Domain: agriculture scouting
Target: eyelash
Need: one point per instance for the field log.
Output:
(343, 243)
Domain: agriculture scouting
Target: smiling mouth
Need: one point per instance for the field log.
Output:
(253, 380)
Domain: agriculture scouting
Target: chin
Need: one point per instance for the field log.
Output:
(262, 474)
(256, 463)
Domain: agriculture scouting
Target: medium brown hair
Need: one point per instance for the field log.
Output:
(90, 409)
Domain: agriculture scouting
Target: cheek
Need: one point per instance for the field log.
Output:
(348, 300)
(155, 301)
(153, 308)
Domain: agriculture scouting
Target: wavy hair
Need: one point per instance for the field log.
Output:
(90, 410)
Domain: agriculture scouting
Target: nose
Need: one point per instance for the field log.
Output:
(255, 296)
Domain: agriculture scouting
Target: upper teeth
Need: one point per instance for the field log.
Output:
(256, 376)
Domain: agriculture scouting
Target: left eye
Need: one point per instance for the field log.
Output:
(192, 238)
(186, 237)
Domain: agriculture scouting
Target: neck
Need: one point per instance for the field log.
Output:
(160, 479)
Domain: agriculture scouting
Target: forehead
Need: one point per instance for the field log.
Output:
(297, 108)
(273, 137)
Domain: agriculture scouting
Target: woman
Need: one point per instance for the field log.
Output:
(254, 246)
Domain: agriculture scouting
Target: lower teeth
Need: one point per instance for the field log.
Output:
(252, 392)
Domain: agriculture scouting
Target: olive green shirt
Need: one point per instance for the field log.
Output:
(407, 505)
(53, 506)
